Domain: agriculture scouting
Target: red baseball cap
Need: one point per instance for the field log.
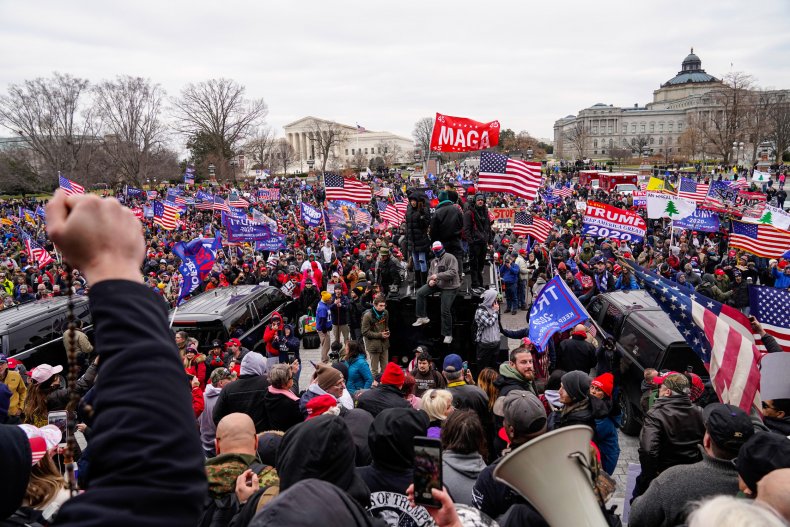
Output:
(233, 342)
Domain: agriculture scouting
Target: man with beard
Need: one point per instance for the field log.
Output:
(477, 231)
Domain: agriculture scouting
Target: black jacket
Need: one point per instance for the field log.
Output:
(386, 273)
(477, 227)
(391, 441)
(283, 412)
(380, 398)
(245, 395)
(446, 226)
(146, 459)
(417, 222)
(576, 354)
(670, 434)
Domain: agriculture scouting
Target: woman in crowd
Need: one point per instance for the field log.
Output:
(359, 375)
(438, 404)
(463, 454)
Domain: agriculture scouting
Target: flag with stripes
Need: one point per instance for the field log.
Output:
(219, 204)
(692, 190)
(499, 173)
(340, 188)
(392, 213)
(563, 192)
(759, 238)
(362, 219)
(70, 187)
(739, 183)
(383, 192)
(769, 307)
(165, 214)
(721, 196)
(234, 200)
(189, 176)
(719, 334)
(37, 254)
(525, 224)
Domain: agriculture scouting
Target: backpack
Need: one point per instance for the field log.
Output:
(218, 512)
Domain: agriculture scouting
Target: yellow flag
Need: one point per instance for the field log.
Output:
(6, 221)
(655, 184)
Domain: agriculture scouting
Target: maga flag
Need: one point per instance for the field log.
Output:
(459, 134)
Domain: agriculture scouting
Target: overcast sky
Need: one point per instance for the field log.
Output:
(385, 64)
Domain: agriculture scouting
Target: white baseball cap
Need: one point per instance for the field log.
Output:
(43, 372)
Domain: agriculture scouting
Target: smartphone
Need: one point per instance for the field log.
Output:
(291, 357)
(465, 366)
(427, 470)
(60, 419)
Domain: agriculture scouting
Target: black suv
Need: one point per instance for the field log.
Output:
(33, 332)
(646, 338)
(239, 311)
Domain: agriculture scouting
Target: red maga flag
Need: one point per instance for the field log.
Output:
(459, 134)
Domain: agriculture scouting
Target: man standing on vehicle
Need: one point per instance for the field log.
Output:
(477, 230)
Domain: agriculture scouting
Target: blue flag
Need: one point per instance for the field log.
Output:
(136, 193)
(197, 259)
(311, 216)
(556, 309)
(275, 242)
(243, 229)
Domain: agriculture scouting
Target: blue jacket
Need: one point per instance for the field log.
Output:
(620, 286)
(323, 317)
(607, 441)
(509, 276)
(359, 375)
(782, 281)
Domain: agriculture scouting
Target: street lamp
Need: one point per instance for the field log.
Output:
(211, 170)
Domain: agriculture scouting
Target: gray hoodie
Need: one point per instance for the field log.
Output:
(460, 473)
(487, 318)
(208, 429)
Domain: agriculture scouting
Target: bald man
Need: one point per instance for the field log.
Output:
(773, 490)
(237, 451)
(576, 353)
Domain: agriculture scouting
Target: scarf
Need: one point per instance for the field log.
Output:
(283, 391)
(377, 314)
(601, 281)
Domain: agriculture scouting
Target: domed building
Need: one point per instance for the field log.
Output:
(690, 80)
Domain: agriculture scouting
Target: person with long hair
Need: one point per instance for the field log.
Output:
(464, 453)
(359, 375)
(46, 490)
(47, 393)
(485, 380)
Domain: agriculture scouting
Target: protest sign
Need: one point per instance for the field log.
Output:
(459, 134)
(701, 220)
(500, 215)
(604, 221)
(640, 199)
(197, 259)
(556, 308)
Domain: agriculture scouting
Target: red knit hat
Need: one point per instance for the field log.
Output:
(605, 382)
(393, 374)
(319, 405)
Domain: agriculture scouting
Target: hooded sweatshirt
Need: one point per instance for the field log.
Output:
(208, 430)
(487, 319)
(459, 474)
(510, 379)
(254, 364)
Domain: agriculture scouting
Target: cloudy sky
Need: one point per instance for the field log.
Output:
(386, 64)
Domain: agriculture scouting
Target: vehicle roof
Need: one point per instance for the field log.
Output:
(645, 313)
(17, 315)
(220, 301)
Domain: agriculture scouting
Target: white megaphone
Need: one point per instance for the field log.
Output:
(550, 472)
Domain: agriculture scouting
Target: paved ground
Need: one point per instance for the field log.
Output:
(628, 444)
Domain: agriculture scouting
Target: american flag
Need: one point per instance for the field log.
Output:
(234, 200)
(769, 307)
(362, 218)
(719, 334)
(383, 192)
(692, 190)
(269, 194)
(69, 187)
(204, 202)
(721, 196)
(181, 200)
(219, 204)
(36, 254)
(392, 213)
(338, 187)
(361, 129)
(527, 225)
(563, 192)
(189, 176)
(740, 183)
(760, 239)
(165, 214)
(499, 173)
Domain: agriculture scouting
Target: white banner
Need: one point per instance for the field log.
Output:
(660, 205)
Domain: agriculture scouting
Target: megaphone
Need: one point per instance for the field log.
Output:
(551, 473)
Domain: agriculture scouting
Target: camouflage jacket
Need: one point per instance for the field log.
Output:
(223, 470)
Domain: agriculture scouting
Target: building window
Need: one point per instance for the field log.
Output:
(669, 140)
(625, 128)
(595, 151)
(611, 143)
(385, 149)
(353, 152)
(651, 141)
(669, 150)
(642, 127)
(670, 126)
(633, 142)
(595, 129)
(633, 128)
(366, 150)
(346, 151)
(610, 129)
(660, 127)
(661, 140)
(680, 126)
(652, 127)
(625, 141)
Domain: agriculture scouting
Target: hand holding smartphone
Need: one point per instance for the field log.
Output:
(427, 470)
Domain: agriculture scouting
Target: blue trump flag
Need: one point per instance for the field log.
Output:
(556, 309)
(311, 216)
(276, 242)
(197, 259)
(243, 229)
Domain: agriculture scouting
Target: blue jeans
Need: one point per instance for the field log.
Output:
(511, 290)
(420, 261)
(522, 293)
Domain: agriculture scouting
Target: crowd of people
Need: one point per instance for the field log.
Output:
(256, 448)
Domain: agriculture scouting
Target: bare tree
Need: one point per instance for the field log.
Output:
(218, 109)
(130, 111)
(50, 114)
(325, 137)
(578, 137)
(17, 172)
(727, 121)
(639, 142)
(360, 161)
(390, 152)
(619, 155)
(283, 154)
(423, 129)
(260, 147)
(779, 119)
(692, 140)
(761, 104)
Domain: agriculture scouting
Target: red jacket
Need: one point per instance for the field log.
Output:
(198, 404)
(269, 335)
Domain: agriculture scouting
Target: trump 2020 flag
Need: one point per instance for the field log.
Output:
(556, 309)
(311, 216)
(197, 259)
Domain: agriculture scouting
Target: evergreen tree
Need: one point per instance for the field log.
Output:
(766, 218)
(671, 208)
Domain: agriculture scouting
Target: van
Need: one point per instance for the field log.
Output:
(240, 312)
(33, 332)
(646, 338)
